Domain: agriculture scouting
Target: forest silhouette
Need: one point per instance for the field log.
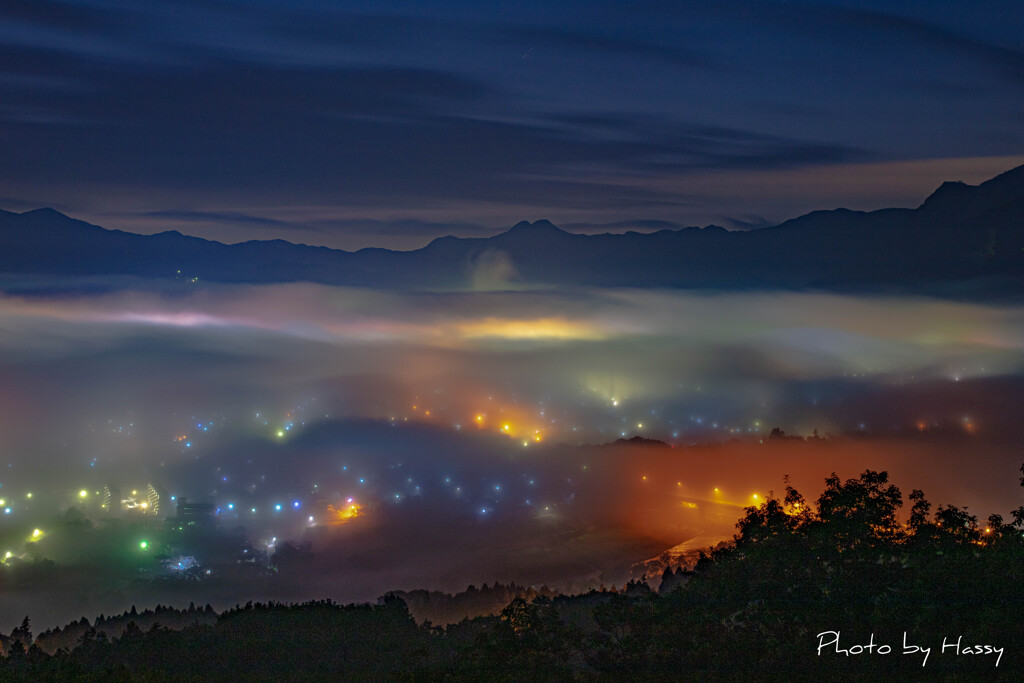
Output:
(838, 590)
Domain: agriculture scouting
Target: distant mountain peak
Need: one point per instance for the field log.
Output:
(541, 226)
(1014, 177)
(948, 194)
(45, 211)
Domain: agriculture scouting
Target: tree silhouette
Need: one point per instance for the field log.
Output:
(747, 611)
(860, 513)
(919, 511)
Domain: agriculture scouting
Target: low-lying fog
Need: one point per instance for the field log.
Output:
(435, 440)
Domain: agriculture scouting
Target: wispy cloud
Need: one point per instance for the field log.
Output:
(214, 216)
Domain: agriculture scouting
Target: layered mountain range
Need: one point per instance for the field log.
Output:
(962, 239)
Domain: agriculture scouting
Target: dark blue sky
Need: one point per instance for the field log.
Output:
(371, 123)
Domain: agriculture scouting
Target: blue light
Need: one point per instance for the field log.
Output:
(7, 511)
(277, 507)
(231, 506)
(173, 497)
(295, 504)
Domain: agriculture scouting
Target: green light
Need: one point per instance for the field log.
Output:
(143, 545)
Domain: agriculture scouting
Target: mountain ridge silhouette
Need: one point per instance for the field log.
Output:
(967, 238)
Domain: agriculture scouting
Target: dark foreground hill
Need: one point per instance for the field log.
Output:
(840, 590)
(963, 241)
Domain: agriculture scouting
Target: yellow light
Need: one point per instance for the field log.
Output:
(144, 505)
(755, 496)
(639, 425)
(3, 502)
(987, 530)
(533, 329)
(479, 418)
(8, 555)
(280, 433)
(135, 493)
(28, 495)
(83, 493)
(506, 427)
(346, 513)
(36, 533)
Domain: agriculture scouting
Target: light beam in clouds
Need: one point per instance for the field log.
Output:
(807, 335)
(183, 319)
(522, 329)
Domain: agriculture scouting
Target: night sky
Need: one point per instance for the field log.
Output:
(388, 124)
